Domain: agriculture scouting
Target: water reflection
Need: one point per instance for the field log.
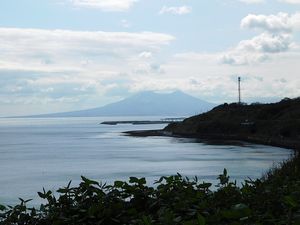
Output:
(36, 153)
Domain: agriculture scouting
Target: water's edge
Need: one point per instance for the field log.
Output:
(281, 143)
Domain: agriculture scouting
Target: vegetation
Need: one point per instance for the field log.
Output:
(275, 124)
(272, 200)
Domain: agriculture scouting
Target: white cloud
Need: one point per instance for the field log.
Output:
(181, 10)
(257, 49)
(276, 38)
(290, 1)
(242, 58)
(51, 50)
(105, 5)
(252, 1)
(282, 22)
(266, 43)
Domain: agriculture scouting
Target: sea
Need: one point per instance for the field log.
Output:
(37, 153)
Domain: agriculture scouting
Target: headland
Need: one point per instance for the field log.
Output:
(275, 124)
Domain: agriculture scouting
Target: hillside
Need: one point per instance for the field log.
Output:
(146, 104)
(276, 124)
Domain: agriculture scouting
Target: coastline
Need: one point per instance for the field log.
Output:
(275, 142)
(274, 124)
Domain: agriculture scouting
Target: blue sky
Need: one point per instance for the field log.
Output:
(60, 55)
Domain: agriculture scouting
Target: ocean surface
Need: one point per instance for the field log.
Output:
(49, 152)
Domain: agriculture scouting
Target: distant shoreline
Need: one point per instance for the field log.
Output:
(143, 122)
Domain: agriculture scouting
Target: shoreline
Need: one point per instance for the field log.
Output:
(275, 142)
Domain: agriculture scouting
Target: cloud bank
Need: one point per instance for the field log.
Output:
(52, 50)
(282, 22)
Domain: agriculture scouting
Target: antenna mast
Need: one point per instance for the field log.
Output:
(239, 89)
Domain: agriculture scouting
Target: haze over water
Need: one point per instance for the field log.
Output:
(37, 153)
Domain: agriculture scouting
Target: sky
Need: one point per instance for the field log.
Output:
(62, 55)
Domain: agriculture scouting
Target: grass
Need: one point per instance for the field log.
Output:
(176, 200)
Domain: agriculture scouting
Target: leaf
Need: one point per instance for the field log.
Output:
(142, 181)
(205, 185)
(2, 207)
(62, 190)
(69, 184)
(178, 219)
(88, 181)
(201, 220)
(133, 180)
(225, 172)
(43, 196)
(224, 179)
(118, 184)
(290, 201)
(196, 179)
(28, 200)
(136, 180)
(146, 220)
(159, 181)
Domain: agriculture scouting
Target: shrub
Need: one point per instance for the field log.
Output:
(175, 200)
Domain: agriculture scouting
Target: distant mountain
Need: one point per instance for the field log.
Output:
(146, 104)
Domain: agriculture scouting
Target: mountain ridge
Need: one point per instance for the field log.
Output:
(145, 103)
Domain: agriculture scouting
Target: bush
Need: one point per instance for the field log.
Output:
(175, 200)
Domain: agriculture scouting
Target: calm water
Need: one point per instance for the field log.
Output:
(36, 153)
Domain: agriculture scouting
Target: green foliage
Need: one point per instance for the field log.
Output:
(176, 200)
(275, 124)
